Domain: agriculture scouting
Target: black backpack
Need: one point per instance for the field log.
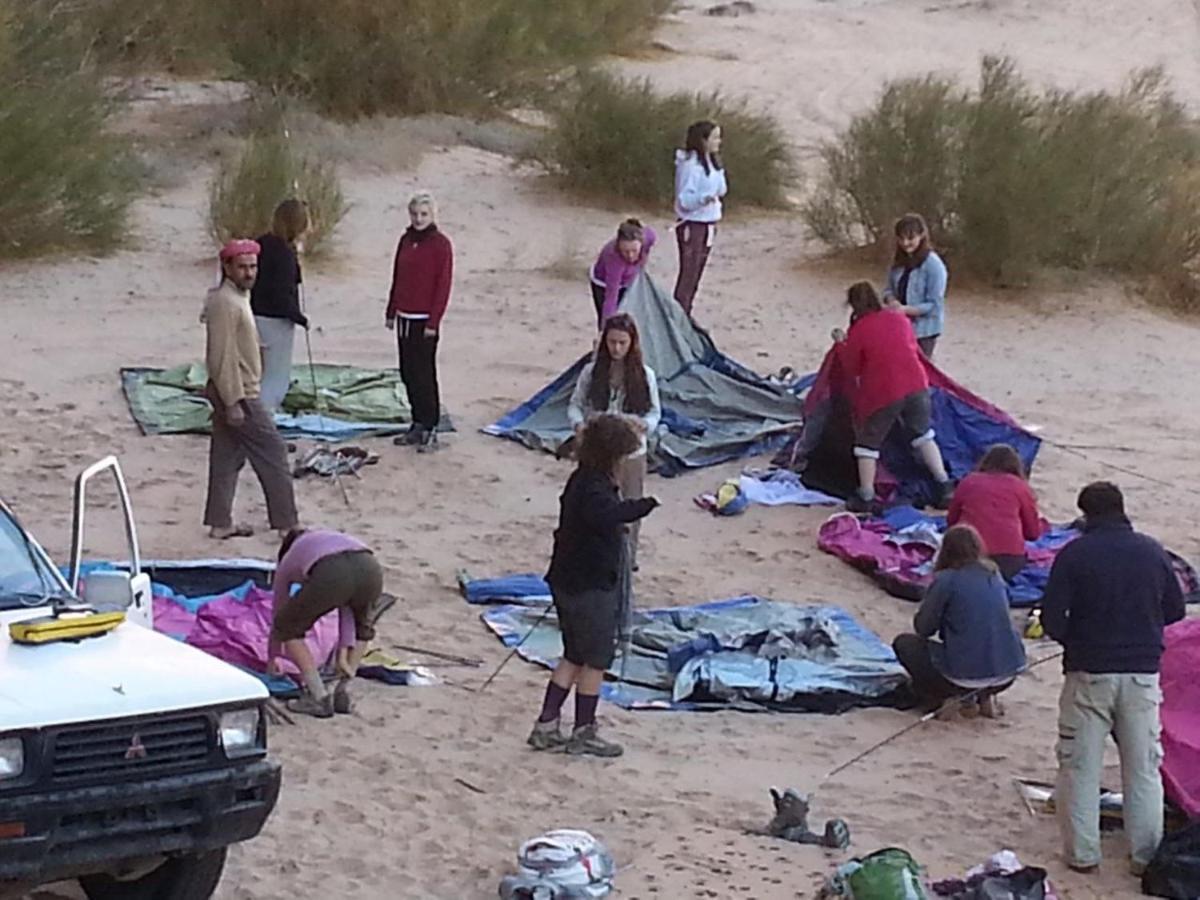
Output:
(1175, 870)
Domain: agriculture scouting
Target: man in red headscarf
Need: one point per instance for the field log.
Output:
(242, 429)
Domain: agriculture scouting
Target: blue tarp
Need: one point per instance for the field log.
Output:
(965, 424)
(714, 409)
(739, 653)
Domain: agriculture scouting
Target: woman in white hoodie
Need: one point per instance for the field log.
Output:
(699, 187)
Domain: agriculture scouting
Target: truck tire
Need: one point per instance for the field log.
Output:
(193, 877)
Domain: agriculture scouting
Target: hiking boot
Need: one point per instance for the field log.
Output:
(308, 705)
(990, 708)
(410, 438)
(428, 442)
(943, 494)
(855, 503)
(343, 703)
(585, 742)
(546, 736)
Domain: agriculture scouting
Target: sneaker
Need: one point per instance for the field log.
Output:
(428, 442)
(546, 736)
(1083, 868)
(1137, 869)
(308, 705)
(585, 742)
(343, 703)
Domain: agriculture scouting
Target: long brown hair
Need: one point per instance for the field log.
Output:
(1002, 458)
(911, 225)
(696, 142)
(862, 299)
(637, 390)
(961, 546)
(606, 440)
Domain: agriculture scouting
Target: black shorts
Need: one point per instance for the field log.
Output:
(914, 411)
(589, 622)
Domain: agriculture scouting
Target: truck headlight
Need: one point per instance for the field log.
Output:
(12, 758)
(239, 732)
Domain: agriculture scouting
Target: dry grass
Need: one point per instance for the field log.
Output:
(1015, 181)
(269, 169)
(614, 140)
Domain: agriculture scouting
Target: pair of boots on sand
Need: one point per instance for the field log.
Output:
(337, 701)
(986, 706)
(584, 741)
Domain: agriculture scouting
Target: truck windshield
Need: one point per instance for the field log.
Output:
(24, 579)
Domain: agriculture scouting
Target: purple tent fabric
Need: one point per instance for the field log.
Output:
(236, 627)
(1181, 715)
(902, 564)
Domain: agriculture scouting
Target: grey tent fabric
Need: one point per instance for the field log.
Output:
(714, 409)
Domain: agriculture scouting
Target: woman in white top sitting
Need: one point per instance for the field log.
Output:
(699, 186)
(618, 381)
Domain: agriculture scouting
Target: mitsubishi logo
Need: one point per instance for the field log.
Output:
(137, 750)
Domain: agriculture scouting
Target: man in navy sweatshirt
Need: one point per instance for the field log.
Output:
(1111, 593)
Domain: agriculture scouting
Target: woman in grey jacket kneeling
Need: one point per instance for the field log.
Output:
(980, 652)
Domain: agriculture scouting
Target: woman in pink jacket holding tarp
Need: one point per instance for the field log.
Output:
(619, 264)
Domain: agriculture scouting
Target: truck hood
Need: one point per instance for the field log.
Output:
(130, 671)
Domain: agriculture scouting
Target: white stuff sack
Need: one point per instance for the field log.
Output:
(564, 864)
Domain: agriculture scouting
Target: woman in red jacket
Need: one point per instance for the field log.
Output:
(998, 501)
(420, 292)
(883, 366)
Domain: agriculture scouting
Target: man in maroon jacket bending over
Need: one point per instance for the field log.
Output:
(882, 365)
(420, 292)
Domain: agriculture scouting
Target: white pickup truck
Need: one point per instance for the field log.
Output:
(128, 761)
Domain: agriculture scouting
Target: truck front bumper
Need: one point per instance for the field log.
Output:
(61, 834)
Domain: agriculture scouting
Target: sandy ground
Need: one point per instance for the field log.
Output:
(371, 808)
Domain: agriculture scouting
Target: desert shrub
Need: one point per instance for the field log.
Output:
(614, 139)
(1014, 180)
(66, 181)
(268, 170)
(179, 35)
(361, 57)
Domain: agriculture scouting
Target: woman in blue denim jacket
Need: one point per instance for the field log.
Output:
(916, 283)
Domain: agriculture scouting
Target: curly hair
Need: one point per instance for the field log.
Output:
(637, 390)
(606, 440)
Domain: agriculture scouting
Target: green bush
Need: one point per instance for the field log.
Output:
(361, 57)
(1013, 180)
(615, 139)
(66, 181)
(268, 170)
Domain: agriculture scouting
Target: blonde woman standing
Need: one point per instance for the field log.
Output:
(421, 278)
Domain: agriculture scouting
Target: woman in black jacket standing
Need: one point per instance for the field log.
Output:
(275, 299)
(585, 578)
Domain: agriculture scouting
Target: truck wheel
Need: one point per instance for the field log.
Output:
(193, 877)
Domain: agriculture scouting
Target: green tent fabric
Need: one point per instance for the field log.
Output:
(354, 402)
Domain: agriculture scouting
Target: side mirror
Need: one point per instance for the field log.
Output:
(108, 591)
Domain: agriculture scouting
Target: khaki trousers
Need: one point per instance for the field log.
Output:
(258, 441)
(1090, 708)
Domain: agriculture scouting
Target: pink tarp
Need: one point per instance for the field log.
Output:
(1181, 715)
(237, 630)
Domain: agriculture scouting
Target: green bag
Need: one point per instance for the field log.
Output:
(890, 874)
